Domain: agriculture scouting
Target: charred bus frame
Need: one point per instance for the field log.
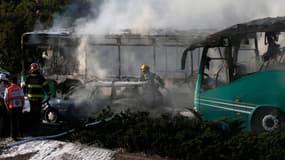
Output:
(241, 74)
(160, 50)
(35, 43)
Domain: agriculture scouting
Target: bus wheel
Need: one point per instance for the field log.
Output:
(267, 119)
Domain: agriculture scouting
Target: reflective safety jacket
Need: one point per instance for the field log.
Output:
(14, 96)
(36, 86)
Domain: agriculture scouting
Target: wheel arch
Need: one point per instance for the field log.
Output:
(260, 107)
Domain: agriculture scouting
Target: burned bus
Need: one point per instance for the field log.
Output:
(112, 59)
(242, 74)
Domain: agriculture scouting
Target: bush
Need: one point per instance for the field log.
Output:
(178, 137)
(172, 136)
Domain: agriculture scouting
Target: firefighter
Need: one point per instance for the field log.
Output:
(35, 88)
(14, 101)
(3, 111)
(151, 93)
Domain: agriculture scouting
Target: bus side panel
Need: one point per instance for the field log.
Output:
(239, 99)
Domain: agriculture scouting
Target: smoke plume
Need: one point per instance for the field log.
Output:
(142, 16)
(112, 16)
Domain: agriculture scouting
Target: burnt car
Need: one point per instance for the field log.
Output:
(56, 110)
(74, 101)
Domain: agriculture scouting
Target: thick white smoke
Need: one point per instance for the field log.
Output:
(141, 15)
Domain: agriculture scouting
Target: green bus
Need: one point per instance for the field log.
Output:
(242, 74)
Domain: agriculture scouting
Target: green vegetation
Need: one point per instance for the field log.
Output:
(181, 138)
(18, 17)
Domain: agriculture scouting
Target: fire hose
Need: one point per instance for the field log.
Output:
(29, 139)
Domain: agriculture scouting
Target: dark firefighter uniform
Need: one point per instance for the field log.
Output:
(35, 88)
(14, 100)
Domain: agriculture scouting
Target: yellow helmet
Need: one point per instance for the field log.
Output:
(144, 67)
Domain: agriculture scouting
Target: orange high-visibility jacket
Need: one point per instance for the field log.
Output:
(15, 96)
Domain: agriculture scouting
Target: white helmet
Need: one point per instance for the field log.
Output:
(3, 77)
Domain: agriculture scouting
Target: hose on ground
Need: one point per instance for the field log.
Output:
(29, 139)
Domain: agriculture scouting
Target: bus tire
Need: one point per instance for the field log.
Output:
(267, 119)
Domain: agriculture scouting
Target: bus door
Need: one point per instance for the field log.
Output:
(214, 100)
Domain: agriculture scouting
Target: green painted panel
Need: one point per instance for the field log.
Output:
(239, 98)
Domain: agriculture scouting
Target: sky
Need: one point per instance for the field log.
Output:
(142, 15)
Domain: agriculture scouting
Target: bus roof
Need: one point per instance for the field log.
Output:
(276, 24)
(180, 37)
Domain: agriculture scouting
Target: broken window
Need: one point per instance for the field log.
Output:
(216, 71)
(247, 58)
(272, 50)
(263, 52)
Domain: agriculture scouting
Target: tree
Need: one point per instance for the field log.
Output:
(18, 17)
